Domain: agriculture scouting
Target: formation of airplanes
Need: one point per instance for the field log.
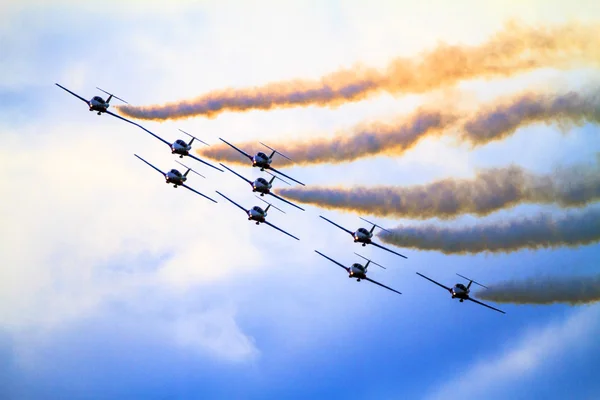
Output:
(263, 186)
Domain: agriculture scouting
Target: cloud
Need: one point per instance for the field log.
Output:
(216, 332)
(101, 225)
(495, 377)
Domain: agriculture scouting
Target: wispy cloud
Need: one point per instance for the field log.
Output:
(215, 332)
(495, 377)
(113, 241)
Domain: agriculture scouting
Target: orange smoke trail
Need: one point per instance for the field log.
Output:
(369, 140)
(491, 190)
(573, 229)
(517, 48)
(494, 121)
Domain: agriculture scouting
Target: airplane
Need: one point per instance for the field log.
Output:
(177, 178)
(262, 161)
(362, 235)
(461, 291)
(263, 186)
(182, 148)
(258, 214)
(98, 104)
(358, 271)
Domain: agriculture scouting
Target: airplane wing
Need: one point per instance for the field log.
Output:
(76, 95)
(245, 211)
(341, 227)
(385, 248)
(287, 176)
(437, 283)
(204, 162)
(485, 305)
(150, 164)
(241, 151)
(284, 200)
(332, 260)
(126, 120)
(247, 180)
(280, 230)
(195, 191)
(382, 285)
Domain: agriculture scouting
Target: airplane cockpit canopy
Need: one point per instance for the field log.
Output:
(99, 99)
(263, 181)
(258, 209)
(461, 286)
(260, 154)
(181, 142)
(363, 230)
(358, 266)
(176, 173)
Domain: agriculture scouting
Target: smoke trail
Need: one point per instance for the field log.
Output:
(575, 228)
(517, 48)
(498, 122)
(548, 290)
(494, 121)
(369, 140)
(491, 190)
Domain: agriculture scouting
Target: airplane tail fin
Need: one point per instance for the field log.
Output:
(269, 205)
(471, 281)
(375, 225)
(111, 96)
(193, 138)
(275, 176)
(275, 151)
(189, 169)
(369, 261)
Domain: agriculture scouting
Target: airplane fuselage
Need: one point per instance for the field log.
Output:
(260, 160)
(98, 104)
(256, 214)
(362, 236)
(181, 149)
(261, 187)
(357, 271)
(459, 292)
(176, 178)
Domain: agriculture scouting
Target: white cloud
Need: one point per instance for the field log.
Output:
(84, 220)
(214, 332)
(492, 378)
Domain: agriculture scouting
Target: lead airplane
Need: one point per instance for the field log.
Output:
(98, 104)
(177, 178)
(263, 186)
(262, 161)
(461, 291)
(359, 271)
(362, 235)
(182, 148)
(257, 214)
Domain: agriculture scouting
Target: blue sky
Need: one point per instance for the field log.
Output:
(115, 285)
